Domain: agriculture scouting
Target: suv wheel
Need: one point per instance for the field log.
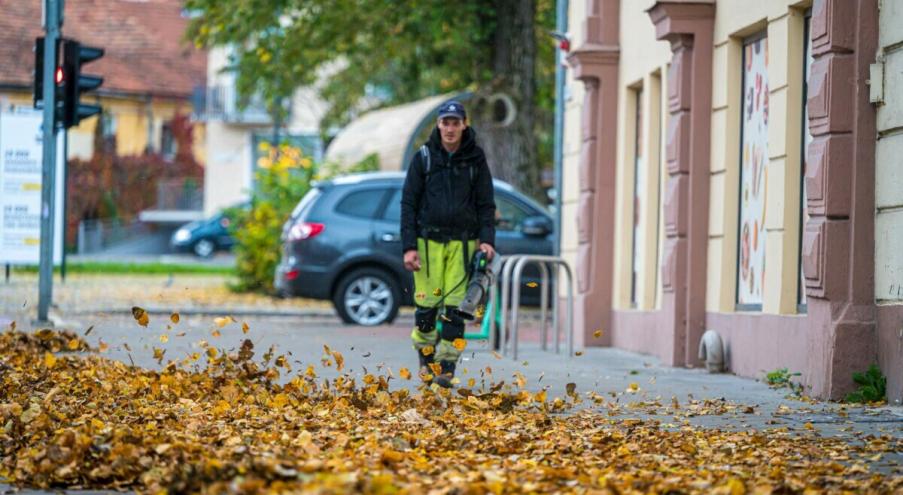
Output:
(204, 248)
(367, 296)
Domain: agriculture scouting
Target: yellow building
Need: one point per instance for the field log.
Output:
(719, 162)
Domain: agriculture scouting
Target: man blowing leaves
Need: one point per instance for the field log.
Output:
(447, 210)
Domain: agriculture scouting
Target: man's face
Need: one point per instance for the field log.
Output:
(451, 129)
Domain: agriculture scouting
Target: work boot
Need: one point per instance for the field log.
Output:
(444, 379)
(425, 362)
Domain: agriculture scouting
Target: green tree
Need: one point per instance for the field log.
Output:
(400, 50)
(283, 177)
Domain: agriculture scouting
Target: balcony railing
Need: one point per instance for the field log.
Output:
(180, 194)
(221, 103)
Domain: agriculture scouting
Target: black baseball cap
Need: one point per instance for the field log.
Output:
(452, 108)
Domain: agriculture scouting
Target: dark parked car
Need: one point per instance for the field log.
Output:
(342, 243)
(203, 237)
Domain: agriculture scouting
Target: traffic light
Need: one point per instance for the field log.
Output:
(38, 96)
(75, 55)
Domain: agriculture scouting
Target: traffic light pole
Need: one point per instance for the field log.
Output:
(45, 281)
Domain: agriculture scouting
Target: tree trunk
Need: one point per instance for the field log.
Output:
(512, 149)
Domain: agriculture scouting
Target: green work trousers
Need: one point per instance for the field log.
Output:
(440, 285)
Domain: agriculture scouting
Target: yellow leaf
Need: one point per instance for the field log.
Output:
(471, 382)
(532, 284)
(496, 355)
(540, 396)
(339, 360)
(49, 360)
(223, 321)
(597, 333)
(72, 345)
(633, 387)
(140, 316)
(735, 487)
(427, 350)
(174, 317)
(164, 338)
(404, 373)
(435, 368)
(103, 346)
(245, 328)
(578, 353)
(221, 407)
(215, 333)
(280, 400)
(459, 344)
(211, 352)
(809, 426)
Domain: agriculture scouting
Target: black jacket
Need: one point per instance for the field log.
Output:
(453, 198)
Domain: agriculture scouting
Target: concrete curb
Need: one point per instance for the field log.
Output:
(215, 312)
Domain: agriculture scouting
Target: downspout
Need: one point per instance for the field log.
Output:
(149, 117)
(561, 25)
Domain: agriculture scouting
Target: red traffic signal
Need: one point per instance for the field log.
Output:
(75, 55)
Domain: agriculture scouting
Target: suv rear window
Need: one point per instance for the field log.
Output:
(361, 204)
(305, 202)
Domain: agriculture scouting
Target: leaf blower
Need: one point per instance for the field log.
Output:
(483, 274)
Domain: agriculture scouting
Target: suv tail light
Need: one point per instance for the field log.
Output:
(304, 230)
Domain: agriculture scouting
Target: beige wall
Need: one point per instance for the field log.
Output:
(783, 22)
(227, 177)
(642, 72)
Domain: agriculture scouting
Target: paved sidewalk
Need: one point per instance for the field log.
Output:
(117, 293)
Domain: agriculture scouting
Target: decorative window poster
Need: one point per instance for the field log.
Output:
(753, 173)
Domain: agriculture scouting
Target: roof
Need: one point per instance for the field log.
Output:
(146, 53)
(386, 132)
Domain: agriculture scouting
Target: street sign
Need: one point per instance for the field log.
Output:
(21, 151)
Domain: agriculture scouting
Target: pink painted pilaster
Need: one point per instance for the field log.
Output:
(595, 63)
(688, 26)
(838, 240)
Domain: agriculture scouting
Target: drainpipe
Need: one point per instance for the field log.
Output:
(149, 116)
(561, 25)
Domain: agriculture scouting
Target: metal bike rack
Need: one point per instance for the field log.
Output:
(516, 265)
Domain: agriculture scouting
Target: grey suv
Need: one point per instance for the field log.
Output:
(342, 243)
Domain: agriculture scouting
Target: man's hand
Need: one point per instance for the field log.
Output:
(411, 260)
(488, 249)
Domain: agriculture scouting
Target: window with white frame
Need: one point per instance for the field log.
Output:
(638, 185)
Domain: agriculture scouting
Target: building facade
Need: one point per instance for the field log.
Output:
(720, 162)
(234, 132)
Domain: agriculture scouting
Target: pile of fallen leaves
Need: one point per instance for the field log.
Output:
(237, 425)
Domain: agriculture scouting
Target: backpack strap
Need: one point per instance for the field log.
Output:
(425, 158)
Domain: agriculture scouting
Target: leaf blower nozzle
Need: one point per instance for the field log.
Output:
(483, 273)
